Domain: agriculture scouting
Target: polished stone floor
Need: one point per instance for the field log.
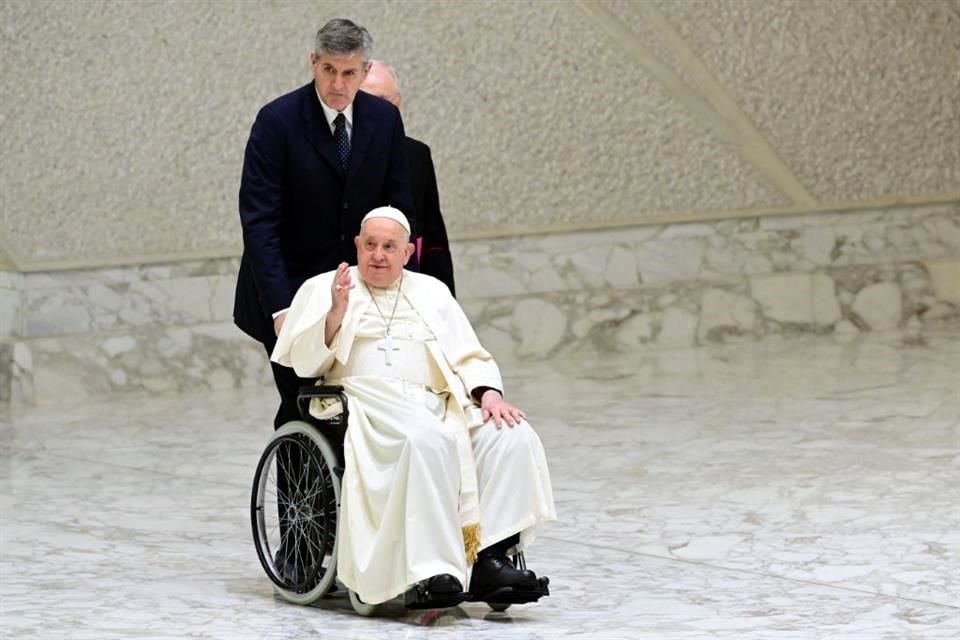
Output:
(792, 488)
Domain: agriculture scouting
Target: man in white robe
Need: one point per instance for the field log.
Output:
(443, 478)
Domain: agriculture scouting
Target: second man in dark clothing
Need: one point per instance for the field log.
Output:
(433, 247)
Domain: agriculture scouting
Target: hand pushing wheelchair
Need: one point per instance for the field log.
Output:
(294, 509)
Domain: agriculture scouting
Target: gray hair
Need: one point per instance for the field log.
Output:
(342, 37)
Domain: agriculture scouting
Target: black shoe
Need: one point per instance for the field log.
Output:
(293, 571)
(497, 582)
(493, 571)
(438, 592)
(289, 570)
(443, 584)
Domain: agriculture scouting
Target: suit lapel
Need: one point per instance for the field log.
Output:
(361, 135)
(317, 130)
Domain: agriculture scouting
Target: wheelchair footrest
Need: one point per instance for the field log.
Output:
(514, 595)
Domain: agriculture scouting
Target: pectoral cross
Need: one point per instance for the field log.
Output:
(386, 345)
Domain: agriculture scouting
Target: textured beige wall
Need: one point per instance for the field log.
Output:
(6, 263)
(860, 97)
(124, 122)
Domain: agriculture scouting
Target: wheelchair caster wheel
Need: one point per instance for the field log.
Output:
(362, 607)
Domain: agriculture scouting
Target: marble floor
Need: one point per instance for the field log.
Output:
(785, 489)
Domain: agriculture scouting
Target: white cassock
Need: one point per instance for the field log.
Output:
(422, 468)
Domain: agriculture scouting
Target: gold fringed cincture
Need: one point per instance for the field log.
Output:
(471, 541)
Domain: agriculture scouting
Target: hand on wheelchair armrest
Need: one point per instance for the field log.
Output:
(306, 396)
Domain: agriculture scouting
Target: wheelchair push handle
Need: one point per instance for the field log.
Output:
(307, 394)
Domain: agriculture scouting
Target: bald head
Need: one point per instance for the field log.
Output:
(381, 81)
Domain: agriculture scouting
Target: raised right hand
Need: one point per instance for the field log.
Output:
(340, 289)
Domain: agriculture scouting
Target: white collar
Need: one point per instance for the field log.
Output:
(331, 114)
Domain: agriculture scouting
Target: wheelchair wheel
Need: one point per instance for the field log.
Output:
(362, 607)
(293, 509)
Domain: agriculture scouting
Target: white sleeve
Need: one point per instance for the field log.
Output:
(306, 317)
(309, 354)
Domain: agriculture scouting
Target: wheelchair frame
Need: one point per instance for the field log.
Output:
(295, 527)
(295, 514)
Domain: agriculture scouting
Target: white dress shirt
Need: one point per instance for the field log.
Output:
(331, 115)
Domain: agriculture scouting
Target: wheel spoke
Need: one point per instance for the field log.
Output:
(295, 513)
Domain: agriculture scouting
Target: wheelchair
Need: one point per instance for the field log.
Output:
(294, 511)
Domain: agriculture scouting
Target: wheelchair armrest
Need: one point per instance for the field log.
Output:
(307, 394)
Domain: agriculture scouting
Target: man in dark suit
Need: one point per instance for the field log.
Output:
(432, 246)
(317, 160)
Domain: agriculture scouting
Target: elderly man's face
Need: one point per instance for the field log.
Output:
(338, 77)
(383, 248)
(380, 82)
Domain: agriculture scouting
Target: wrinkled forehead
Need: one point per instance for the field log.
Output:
(342, 61)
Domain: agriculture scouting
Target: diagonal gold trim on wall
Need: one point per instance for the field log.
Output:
(755, 147)
(716, 110)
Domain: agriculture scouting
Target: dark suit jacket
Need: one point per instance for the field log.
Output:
(299, 209)
(435, 259)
